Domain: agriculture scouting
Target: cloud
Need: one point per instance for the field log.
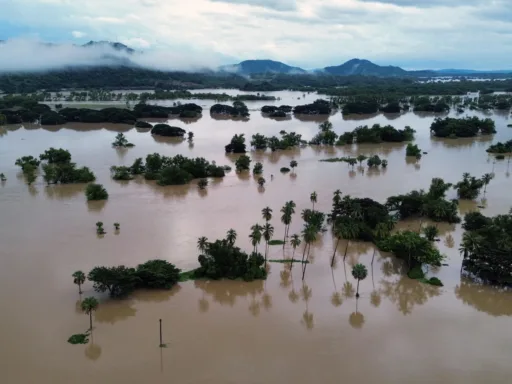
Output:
(305, 33)
(14, 54)
(278, 5)
(78, 34)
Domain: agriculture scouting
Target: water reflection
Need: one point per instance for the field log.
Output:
(356, 319)
(96, 205)
(170, 191)
(112, 312)
(463, 142)
(92, 351)
(311, 118)
(307, 317)
(168, 140)
(226, 292)
(156, 295)
(360, 117)
(63, 191)
(491, 300)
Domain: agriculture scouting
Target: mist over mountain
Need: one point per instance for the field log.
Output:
(250, 67)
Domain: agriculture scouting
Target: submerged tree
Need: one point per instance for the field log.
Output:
(430, 232)
(267, 214)
(242, 163)
(79, 279)
(261, 182)
(96, 192)
(486, 179)
(313, 197)
(255, 236)
(268, 232)
(359, 272)
(202, 183)
(469, 187)
(89, 305)
(257, 169)
(309, 236)
(294, 242)
(293, 164)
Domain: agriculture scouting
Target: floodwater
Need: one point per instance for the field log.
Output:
(282, 330)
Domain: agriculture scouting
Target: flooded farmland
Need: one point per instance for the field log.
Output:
(281, 330)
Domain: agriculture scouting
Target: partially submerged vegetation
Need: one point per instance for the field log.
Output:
(487, 247)
(238, 109)
(318, 107)
(500, 147)
(465, 127)
(121, 141)
(167, 130)
(166, 170)
(287, 140)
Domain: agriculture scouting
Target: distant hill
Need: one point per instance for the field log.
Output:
(365, 68)
(114, 45)
(249, 67)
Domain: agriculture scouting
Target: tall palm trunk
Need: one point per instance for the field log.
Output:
(373, 257)
(357, 290)
(79, 288)
(90, 320)
(334, 253)
(303, 255)
(346, 249)
(306, 264)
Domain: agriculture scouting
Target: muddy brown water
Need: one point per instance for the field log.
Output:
(278, 331)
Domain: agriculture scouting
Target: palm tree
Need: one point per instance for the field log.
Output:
(231, 237)
(470, 244)
(309, 237)
(295, 242)
(359, 272)
(255, 236)
(79, 279)
(89, 305)
(486, 179)
(350, 230)
(288, 210)
(313, 199)
(336, 199)
(268, 232)
(338, 233)
(267, 214)
(202, 244)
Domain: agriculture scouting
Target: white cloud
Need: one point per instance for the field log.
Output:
(78, 34)
(308, 33)
(136, 42)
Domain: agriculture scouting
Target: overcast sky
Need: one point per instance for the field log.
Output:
(414, 34)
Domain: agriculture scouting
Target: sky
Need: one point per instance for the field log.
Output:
(413, 34)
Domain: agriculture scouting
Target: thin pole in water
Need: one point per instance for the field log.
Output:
(161, 343)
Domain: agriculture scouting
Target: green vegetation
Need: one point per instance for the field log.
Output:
(413, 150)
(430, 232)
(88, 306)
(293, 165)
(487, 247)
(79, 279)
(2, 177)
(500, 147)
(326, 136)
(121, 141)
(273, 111)
(287, 140)
(243, 163)
(258, 168)
(359, 272)
(165, 170)
(239, 109)
(412, 248)
(276, 242)
(425, 104)
(96, 192)
(99, 228)
(261, 182)
(285, 261)
(117, 226)
(167, 130)
(360, 107)
(120, 281)
(465, 127)
(376, 134)
(237, 144)
(469, 187)
(143, 125)
(431, 204)
(318, 107)
(79, 338)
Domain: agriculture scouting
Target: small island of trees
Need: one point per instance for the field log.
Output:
(273, 111)
(318, 107)
(167, 130)
(121, 141)
(287, 140)
(466, 127)
(500, 147)
(239, 109)
(165, 170)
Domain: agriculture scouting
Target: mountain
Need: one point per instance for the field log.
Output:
(249, 67)
(365, 68)
(114, 45)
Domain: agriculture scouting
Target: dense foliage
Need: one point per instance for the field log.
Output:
(318, 107)
(287, 140)
(413, 150)
(469, 187)
(96, 192)
(376, 134)
(500, 147)
(361, 107)
(465, 127)
(167, 130)
(431, 204)
(170, 170)
(223, 260)
(237, 144)
(239, 109)
(487, 247)
(120, 281)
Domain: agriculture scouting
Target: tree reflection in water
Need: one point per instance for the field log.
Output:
(405, 293)
(307, 317)
(488, 299)
(92, 351)
(356, 319)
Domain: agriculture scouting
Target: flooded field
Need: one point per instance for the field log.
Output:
(277, 331)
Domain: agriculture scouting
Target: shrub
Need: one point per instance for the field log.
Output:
(284, 170)
(435, 281)
(96, 192)
(143, 124)
(167, 130)
(416, 273)
(157, 274)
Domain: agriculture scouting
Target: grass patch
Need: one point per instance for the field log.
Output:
(79, 338)
(187, 276)
(288, 261)
(276, 242)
